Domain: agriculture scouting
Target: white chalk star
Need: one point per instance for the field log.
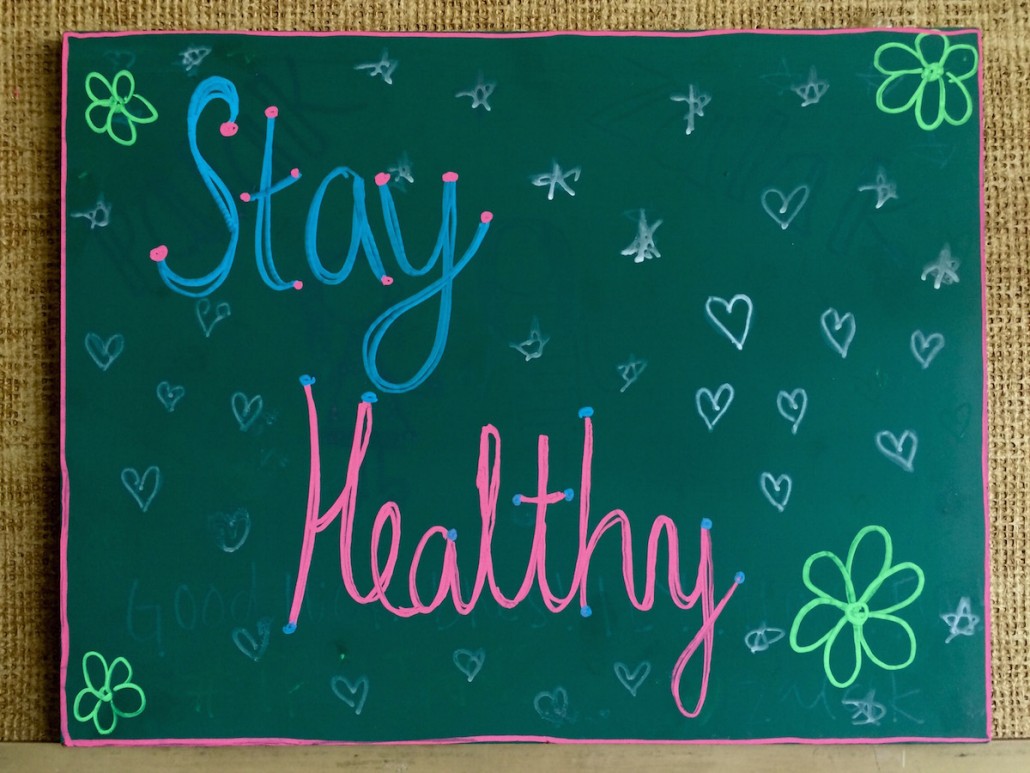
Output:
(630, 371)
(812, 90)
(98, 217)
(384, 67)
(961, 622)
(944, 270)
(557, 177)
(193, 56)
(402, 170)
(866, 710)
(532, 347)
(696, 102)
(885, 189)
(643, 247)
(480, 93)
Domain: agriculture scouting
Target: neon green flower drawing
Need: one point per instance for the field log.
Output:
(102, 693)
(110, 100)
(855, 611)
(927, 77)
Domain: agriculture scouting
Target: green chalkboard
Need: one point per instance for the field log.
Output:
(537, 387)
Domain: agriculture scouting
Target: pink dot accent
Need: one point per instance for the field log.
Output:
(298, 285)
(228, 129)
(382, 179)
(159, 253)
(271, 111)
(244, 196)
(386, 280)
(450, 177)
(295, 172)
(486, 217)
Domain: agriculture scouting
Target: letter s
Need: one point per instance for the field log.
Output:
(208, 91)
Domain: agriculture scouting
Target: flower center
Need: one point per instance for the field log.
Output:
(933, 72)
(105, 694)
(857, 613)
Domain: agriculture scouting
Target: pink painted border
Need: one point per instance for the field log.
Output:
(66, 488)
(65, 484)
(518, 739)
(511, 35)
(988, 633)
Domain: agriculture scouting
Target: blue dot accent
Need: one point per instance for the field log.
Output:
(289, 628)
(452, 535)
(369, 397)
(516, 500)
(569, 494)
(585, 411)
(585, 610)
(307, 380)
(739, 578)
(706, 523)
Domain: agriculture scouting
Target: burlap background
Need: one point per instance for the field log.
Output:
(30, 271)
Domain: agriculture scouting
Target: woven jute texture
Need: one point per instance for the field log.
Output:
(30, 271)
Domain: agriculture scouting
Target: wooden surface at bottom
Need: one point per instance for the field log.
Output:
(995, 757)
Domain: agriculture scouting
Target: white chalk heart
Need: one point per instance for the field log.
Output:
(208, 318)
(632, 680)
(792, 406)
(711, 407)
(839, 330)
(251, 646)
(776, 489)
(469, 662)
(354, 694)
(246, 409)
(926, 347)
(230, 529)
(552, 706)
(779, 206)
(720, 312)
(104, 352)
(143, 488)
(900, 450)
(170, 395)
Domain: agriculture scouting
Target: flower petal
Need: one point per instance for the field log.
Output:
(931, 47)
(76, 712)
(899, 92)
(95, 671)
(930, 110)
(105, 718)
(140, 110)
(822, 615)
(876, 593)
(897, 58)
(842, 654)
(958, 104)
(831, 579)
(869, 557)
(960, 61)
(98, 114)
(877, 631)
(125, 134)
(120, 672)
(124, 86)
(96, 82)
(129, 700)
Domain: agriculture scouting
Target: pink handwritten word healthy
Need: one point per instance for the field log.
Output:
(488, 481)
